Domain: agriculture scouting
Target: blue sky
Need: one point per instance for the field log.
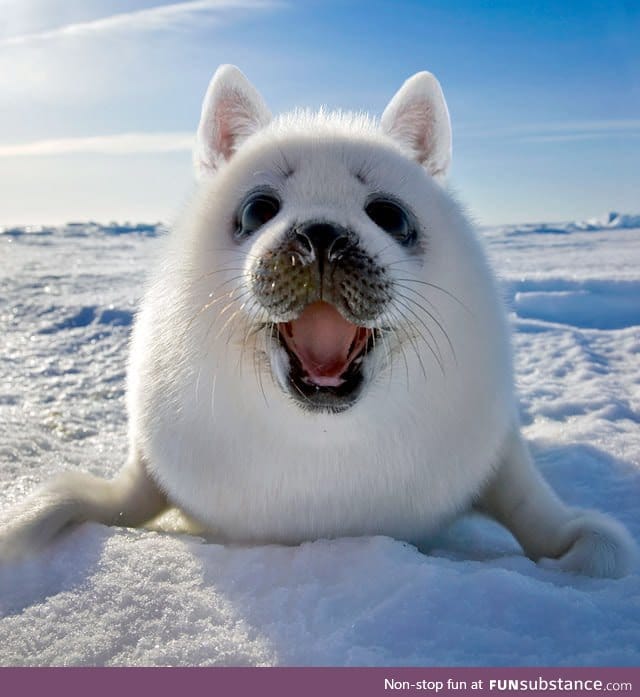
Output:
(99, 98)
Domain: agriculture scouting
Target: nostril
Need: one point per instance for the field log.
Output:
(338, 247)
(324, 239)
(304, 242)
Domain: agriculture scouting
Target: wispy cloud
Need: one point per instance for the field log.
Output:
(150, 19)
(591, 135)
(579, 130)
(119, 144)
(560, 131)
(182, 141)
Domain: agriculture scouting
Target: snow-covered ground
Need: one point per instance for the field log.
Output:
(115, 596)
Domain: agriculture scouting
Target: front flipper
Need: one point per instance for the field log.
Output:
(551, 533)
(131, 499)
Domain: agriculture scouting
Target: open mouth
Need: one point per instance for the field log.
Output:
(326, 352)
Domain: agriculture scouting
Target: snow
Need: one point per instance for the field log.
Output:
(108, 596)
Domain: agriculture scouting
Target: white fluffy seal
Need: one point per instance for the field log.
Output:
(323, 351)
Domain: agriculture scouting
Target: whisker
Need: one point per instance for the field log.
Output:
(233, 302)
(258, 374)
(213, 397)
(435, 287)
(431, 316)
(240, 277)
(224, 269)
(384, 336)
(216, 300)
(259, 358)
(393, 322)
(388, 348)
(414, 346)
(437, 354)
(237, 252)
(417, 334)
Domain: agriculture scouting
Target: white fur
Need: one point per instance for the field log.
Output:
(435, 430)
(418, 117)
(232, 110)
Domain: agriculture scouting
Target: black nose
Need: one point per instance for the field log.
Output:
(325, 240)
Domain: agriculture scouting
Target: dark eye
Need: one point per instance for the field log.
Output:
(255, 212)
(392, 219)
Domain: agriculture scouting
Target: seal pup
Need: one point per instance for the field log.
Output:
(322, 351)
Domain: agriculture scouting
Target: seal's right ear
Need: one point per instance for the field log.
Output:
(232, 110)
(418, 119)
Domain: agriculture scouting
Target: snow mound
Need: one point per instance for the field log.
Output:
(85, 229)
(610, 221)
(587, 304)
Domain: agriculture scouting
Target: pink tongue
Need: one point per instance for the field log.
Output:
(324, 342)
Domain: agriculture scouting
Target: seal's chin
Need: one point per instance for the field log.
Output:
(325, 357)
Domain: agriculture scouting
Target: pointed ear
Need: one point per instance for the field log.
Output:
(232, 110)
(418, 118)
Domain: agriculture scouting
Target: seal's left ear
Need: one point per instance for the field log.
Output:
(417, 117)
(232, 110)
